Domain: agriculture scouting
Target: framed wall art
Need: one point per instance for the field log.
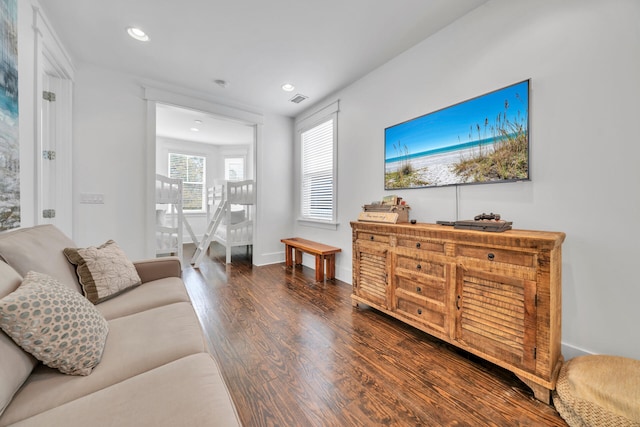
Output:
(9, 143)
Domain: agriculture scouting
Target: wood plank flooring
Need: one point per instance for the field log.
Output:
(296, 353)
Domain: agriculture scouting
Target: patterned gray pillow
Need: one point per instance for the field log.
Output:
(57, 325)
(103, 271)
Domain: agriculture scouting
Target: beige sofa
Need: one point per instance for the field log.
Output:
(155, 369)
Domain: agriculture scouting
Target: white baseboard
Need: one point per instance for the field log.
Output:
(268, 258)
(570, 351)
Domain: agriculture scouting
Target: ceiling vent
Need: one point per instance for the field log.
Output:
(298, 98)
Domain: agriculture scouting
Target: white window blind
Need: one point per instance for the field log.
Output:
(191, 170)
(318, 172)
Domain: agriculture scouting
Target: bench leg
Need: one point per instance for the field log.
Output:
(298, 257)
(319, 268)
(287, 255)
(331, 266)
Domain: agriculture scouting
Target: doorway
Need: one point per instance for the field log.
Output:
(204, 152)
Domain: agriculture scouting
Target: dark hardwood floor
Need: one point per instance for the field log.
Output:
(296, 353)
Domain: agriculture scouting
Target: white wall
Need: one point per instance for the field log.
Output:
(583, 59)
(274, 181)
(109, 159)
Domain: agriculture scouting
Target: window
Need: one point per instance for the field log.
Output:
(234, 168)
(318, 143)
(191, 169)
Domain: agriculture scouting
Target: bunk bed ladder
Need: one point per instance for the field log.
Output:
(208, 235)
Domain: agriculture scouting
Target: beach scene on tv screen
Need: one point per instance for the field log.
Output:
(482, 140)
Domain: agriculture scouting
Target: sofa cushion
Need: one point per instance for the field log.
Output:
(39, 249)
(103, 271)
(136, 344)
(15, 363)
(55, 324)
(187, 392)
(145, 297)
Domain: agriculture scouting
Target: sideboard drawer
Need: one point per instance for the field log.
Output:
(373, 237)
(422, 266)
(523, 259)
(421, 245)
(425, 287)
(430, 314)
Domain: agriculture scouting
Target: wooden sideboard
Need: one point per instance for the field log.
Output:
(496, 295)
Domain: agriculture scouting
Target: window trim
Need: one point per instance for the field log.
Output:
(329, 112)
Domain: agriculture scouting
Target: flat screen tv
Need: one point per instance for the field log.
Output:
(481, 140)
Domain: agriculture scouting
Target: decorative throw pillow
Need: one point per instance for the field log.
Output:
(57, 325)
(103, 272)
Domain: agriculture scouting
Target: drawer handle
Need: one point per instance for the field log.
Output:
(418, 245)
(491, 256)
(418, 289)
(419, 311)
(418, 266)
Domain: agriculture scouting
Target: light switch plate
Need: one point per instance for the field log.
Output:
(92, 198)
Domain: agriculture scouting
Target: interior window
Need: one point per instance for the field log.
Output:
(318, 172)
(191, 169)
(234, 168)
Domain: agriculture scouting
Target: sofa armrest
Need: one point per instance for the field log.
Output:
(158, 268)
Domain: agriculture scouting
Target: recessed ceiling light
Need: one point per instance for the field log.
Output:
(288, 87)
(198, 122)
(138, 34)
(195, 130)
(222, 83)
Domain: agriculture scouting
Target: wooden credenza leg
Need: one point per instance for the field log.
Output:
(540, 392)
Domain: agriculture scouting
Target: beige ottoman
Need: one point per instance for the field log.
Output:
(599, 391)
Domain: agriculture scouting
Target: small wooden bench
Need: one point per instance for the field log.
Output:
(321, 251)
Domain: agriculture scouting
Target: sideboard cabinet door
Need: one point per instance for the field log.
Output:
(370, 276)
(496, 316)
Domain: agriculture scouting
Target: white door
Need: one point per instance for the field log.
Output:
(54, 181)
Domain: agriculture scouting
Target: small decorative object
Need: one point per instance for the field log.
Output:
(392, 210)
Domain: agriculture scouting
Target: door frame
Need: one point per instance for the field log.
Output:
(154, 96)
(52, 60)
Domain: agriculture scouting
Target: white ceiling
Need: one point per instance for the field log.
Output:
(177, 123)
(255, 45)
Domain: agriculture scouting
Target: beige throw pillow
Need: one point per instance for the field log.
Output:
(103, 272)
(57, 325)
